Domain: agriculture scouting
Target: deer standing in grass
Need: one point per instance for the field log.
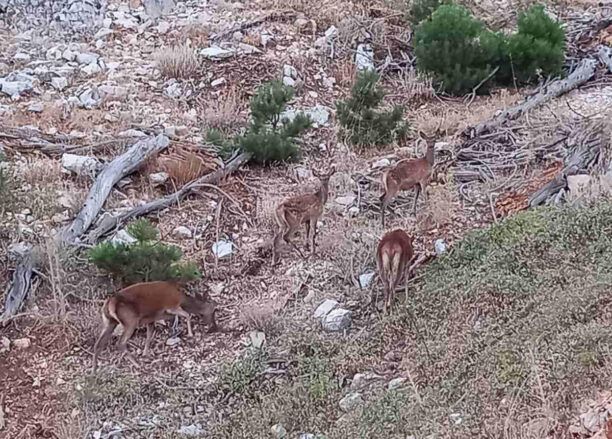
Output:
(143, 304)
(408, 174)
(393, 255)
(301, 209)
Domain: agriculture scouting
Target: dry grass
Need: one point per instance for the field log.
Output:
(184, 163)
(42, 171)
(179, 62)
(259, 316)
(415, 86)
(225, 113)
(440, 207)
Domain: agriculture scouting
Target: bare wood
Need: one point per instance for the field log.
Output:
(20, 283)
(121, 166)
(109, 223)
(605, 56)
(583, 73)
(275, 15)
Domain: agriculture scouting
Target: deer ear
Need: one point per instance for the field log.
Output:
(332, 169)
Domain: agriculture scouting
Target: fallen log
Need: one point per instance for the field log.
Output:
(109, 223)
(21, 281)
(121, 166)
(605, 56)
(583, 73)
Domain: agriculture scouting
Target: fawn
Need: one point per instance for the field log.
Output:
(408, 174)
(143, 304)
(298, 210)
(393, 254)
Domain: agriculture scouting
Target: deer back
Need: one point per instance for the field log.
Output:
(148, 299)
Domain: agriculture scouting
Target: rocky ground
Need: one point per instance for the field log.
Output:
(97, 76)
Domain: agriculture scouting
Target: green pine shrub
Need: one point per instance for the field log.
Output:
(456, 49)
(421, 10)
(146, 260)
(270, 137)
(362, 123)
(461, 54)
(538, 48)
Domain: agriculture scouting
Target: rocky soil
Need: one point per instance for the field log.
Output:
(80, 80)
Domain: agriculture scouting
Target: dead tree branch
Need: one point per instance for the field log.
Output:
(109, 223)
(605, 56)
(121, 166)
(583, 73)
(20, 283)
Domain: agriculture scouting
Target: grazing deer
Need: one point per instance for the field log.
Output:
(393, 254)
(298, 210)
(408, 174)
(145, 303)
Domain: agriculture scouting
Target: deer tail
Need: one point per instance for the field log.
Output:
(109, 310)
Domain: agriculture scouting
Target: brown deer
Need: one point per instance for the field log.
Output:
(408, 174)
(393, 255)
(143, 304)
(301, 209)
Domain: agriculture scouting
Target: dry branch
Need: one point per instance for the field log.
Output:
(20, 283)
(275, 15)
(583, 73)
(121, 166)
(605, 56)
(107, 224)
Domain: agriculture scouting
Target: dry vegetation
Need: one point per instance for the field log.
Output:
(178, 62)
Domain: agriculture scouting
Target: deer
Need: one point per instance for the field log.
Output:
(393, 255)
(301, 209)
(408, 174)
(143, 304)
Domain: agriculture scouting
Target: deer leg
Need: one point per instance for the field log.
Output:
(150, 332)
(423, 187)
(313, 227)
(307, 235)
(181, 312)
(286, 237)
(128, 330)
(175, 326)
(383, 207)
(102, 341)
(417, 191)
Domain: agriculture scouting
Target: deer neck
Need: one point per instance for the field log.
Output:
(429, 154)
(323, 192)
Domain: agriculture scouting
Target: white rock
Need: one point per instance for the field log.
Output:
(217, 82)
(182, 232)
(289, 82)
(15, 89)
(191, 430)
(456, 418)
(173, 341)
(303, 173)
(265, 38)
(158, 178)
(331, 33)
(257, 339)
(174, 90)
(132, 133)
(279, 431)
(156, 8)
(222, 248)
(590, 420)
(113, 91)
(22, 343)
(382, 163)
(345, 200)
(21, 56)
(353, 211)
(5, 345)
(123, 237)
(163, 27)
(396, 383)
(36, 107)
(59, 83)
(90, 98)
(363, 380)
(290, 71)
(337, 320)
(318, 114)
(325, 308)
(350, 402)
(364, 58)
(69, 55)
(92, 69)
(87, 58)
(237, 36)
(79, 164)
(174, 131)
(365, 279)
(216, 53)
(103, 33)
(439, 246)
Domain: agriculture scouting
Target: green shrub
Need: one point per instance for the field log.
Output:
(145, 260)
(461, 53)
(537, 48)
(421, 10)
(457, 49)
(359, 118)
(270, 137)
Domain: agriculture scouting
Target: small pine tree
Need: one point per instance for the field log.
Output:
(537, 48)
(270, 137)
(421, 10)
(146, 260)
(359, 118)
(457, 49)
